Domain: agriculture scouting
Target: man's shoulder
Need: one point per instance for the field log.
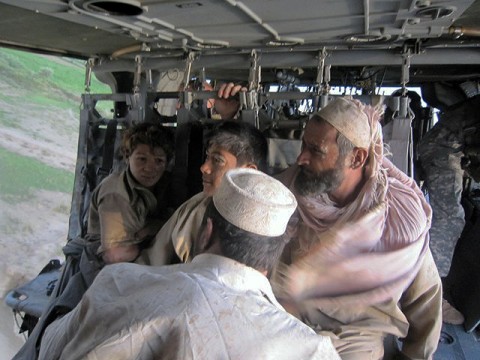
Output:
(399, 190)
(407, 209)
(122, 269)
(195, 200)
(195, 205)
(130, 273)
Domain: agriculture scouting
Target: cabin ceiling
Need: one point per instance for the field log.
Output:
(438, 39)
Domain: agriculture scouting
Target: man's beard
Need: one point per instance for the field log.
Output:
(311, 184)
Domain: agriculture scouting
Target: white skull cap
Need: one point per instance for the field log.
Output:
(254, 201)
(348, 118)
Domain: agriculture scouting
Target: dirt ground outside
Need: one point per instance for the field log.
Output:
(33, 231)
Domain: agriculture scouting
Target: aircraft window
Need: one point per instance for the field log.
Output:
(105, 108)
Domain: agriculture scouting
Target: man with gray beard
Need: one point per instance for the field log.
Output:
(358, 265)
(308, 182)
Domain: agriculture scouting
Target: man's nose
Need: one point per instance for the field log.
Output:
(151, 165)
(205, 167)
(303, 158)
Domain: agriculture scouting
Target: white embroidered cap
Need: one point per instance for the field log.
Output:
(349, 119)
(255, 202)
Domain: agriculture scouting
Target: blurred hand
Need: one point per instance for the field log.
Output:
(227, 90)
(118, 254)
(227, 106)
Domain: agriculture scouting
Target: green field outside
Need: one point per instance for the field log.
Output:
(38, 82)
(20, 175)
(50, 81)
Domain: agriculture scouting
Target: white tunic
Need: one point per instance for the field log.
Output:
(212, 308)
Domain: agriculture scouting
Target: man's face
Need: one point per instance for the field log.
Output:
(147, 165)
(217, 163)
(321, 166)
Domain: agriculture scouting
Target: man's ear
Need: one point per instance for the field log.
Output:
(251, 166)
(359, 157)
(204, 239)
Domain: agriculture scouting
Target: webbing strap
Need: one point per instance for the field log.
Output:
(108, 148)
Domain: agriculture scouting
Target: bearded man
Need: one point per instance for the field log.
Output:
(359, 267)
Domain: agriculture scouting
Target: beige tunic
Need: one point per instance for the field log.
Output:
(414, 317)
(174, 240)
(120, 207)
(211, 308)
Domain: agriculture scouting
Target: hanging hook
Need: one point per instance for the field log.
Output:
(137, 74)
(186, 97)
(249, 100)
(148, 74)
(255, 69)
(188, 69)
(321, 68)
(323, 79)
(405, 70)
(88, 73)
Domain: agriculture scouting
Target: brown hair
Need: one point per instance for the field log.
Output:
(149, 134)
(241, 139)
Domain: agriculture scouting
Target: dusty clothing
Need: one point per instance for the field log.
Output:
(119, 211)
(365, 270)
(212, 308)
(175, 239)
(121, 207)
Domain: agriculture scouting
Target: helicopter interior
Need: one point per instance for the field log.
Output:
(293, 57)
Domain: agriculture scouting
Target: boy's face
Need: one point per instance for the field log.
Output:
(217, 162)
(147, 165)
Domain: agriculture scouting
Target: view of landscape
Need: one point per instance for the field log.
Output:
(39, 117)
